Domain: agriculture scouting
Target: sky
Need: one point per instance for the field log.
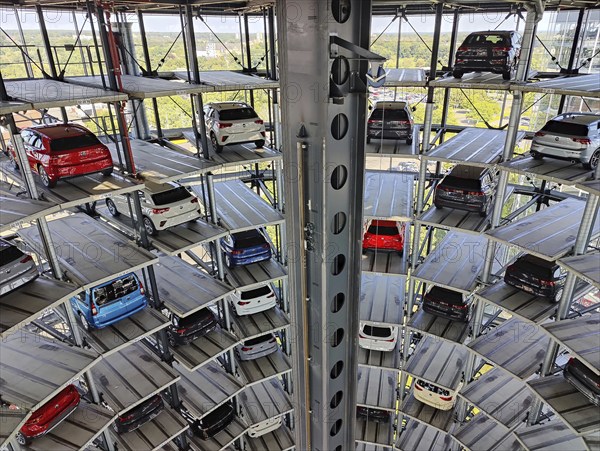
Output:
(61, 20)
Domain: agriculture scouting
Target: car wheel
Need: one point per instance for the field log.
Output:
(409, 141)
(107, 172)
(536, 155)
(506, 75)
(558, 294)
(112, 208)
(368, 140)
(84, 323)
(436, 205)
(484, 212)
(21, 439)
(213, 139)
(260, 143)
(457, 73)
(171, 339)
(46, 180)
(149, 226)
(593, 160)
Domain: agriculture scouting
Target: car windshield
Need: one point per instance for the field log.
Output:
(9, 254)
(461, 183)
(171, 196)
(383, 230)
(257, 292)
(73, 143)
(566, 128)
(380, 114)
(433, 388)
(237, 114)
(487, 39)
(114, 290)
(375, 331)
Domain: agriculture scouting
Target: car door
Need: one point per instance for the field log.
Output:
(38, 155)
(80, 304)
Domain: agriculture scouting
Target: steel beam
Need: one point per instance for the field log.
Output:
(324, 165)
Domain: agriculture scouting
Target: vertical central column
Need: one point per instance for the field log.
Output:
(323, 98)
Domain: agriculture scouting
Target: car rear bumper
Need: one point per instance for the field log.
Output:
(480, 64)
(377, 345)
(111, 321)
(257, 355)
(162, 223)
(265, 427)
(389, 247)
(253, 308)
(21, 279)
(184, 339)
(433, 400)
(62, 172)
(448, 313)
(139, 422)
(583, 388)
(522, 284)
(563, 154)
(389, 133)
(240, 138)
(214, 429)
(459, 204)
(241, 260)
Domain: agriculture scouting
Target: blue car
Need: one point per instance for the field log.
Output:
(110, 302)
(244, 248)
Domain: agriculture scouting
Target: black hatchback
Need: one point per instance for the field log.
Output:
(583, 379)
(466, 188)
(214, 422)
(536, 276)
(184, 330)
(448, 304)
(139, 415)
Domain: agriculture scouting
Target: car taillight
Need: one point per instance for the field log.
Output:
(94, 309)
(246, 349)
(158, 211)
(265, 246)
(126, 418)
(571, 361)
(475, 193)
(142, 289)
(582, 140)
(237, 252)
(272, 295)
(463, 49)
(243, 303)
(539, 134)
(225, 124)
(446, 398)
(182, 330)
(361, 336)
(390, 340)
(418, 388)
(26, 259)
(194, 200)
(259, 121)
(500, 51)
(547, 283)
(461, 307)
(272, 340)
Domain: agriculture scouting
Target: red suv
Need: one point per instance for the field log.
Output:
(47, 417)
(63, 150)
(384, 236)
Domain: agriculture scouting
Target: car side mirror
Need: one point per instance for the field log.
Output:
(413, 108)
(370, 107)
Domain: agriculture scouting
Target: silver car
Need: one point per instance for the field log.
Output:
(17, 268)
(257, 347)
(233, 123)
(570, 136)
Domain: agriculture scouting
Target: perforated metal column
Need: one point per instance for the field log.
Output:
(323, 99)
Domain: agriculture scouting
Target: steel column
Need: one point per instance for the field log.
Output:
(248, 54)
(572, 55)
(324, 177)
(26, 60)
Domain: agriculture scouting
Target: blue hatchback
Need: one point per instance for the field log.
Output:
(110, 302)
(244, 248)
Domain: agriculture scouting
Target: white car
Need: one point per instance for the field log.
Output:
(434, 396)
(570, 136)
(253, 301)
(257, 347)
(233, 123)
(164, 205)
(377, 338)
(16, 268)
(264, 427)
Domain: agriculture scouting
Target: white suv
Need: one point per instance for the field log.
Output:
(377, 338)
(570, 136)
(164, 205)
(233, 123)
(253, 301)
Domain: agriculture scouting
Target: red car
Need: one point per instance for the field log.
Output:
(384, 236)
(63, 150)
(49, 415)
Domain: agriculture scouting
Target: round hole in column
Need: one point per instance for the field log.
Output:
(338, 264)
(339, 176)
(341, 10)
(337, 337)
(336, 427)
(338, 448)
(339, 223)
(340, 70)
(336, 400)
(337, 302)
(339, 126)
(336, 369)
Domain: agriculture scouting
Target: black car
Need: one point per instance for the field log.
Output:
(376, 415)
(214, 422)
(390, 120)
(583, 379)
(447, 303)
(537, 276)
(488, 51)
(466, 188)
(184, 330)
(139, 415)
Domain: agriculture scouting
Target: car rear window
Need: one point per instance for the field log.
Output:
(171, 196)
(115, 290)
(442, 295)
(536, 267)
(566, 128)
(487, 39)
(461, 183)
(9, 253)
(383, 230)
(375, 331)
(197, 317)
(73, 143)
(380, 114)
(433, 388)
(237, 114)
(257, 292)
(258, 340)
(245, 240)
